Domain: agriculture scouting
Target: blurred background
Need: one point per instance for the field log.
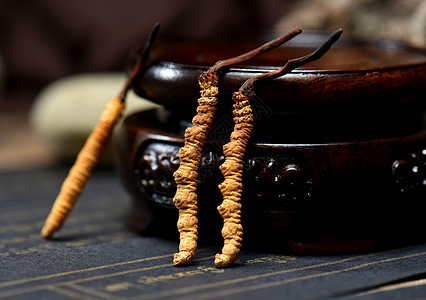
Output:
(43, 41)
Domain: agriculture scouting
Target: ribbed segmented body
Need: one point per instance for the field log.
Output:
(232, 186)
(187, 174)
(82, 169)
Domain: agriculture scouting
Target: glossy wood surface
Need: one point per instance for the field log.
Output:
(354, 74)
(328, 197)
(337, 159)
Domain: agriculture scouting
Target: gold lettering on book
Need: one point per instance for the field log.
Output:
(150, 280)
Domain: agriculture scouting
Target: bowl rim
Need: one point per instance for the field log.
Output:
(174, 84)
(308, 39)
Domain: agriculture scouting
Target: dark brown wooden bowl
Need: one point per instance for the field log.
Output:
(355, 74)
(328, 197)
(337, 159)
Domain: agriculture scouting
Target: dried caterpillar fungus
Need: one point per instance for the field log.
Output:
(90, 153)
(82, 168)
(232, 187)
(232, 169)
(186, 176)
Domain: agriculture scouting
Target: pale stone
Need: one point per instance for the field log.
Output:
(67, 110)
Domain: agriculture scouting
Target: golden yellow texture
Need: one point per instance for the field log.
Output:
(187, 174)
(82, 168)
(232, 186)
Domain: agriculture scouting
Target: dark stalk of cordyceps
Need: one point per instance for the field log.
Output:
(186, 176)
(90, 153)
(232, 169)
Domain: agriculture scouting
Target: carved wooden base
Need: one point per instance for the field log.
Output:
(321, 197)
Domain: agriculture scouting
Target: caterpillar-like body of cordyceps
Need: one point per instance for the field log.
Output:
(232, 186)
(232, 168)
(92, 149)
(186, 175)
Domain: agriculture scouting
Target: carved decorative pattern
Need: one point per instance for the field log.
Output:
(156, 164)
(280, 184)
(274, 183)
(154, 172)
(409, 172)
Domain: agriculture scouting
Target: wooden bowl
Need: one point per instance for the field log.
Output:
(354, 74)
(337, 159)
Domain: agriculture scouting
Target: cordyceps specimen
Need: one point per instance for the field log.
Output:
(186, 176)
(232, 169)
(92, 149)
